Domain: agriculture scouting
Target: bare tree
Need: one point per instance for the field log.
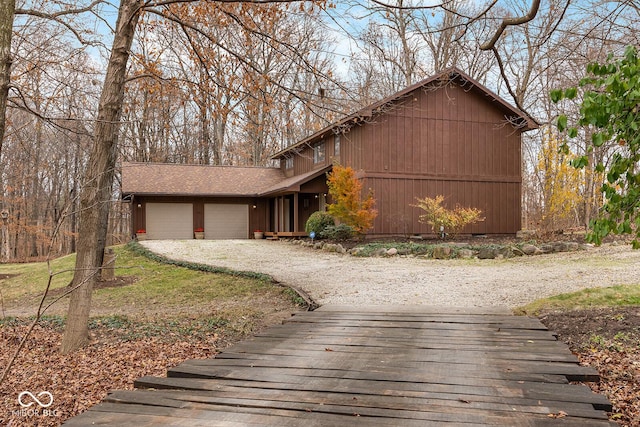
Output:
(96, 188)
(7, 10)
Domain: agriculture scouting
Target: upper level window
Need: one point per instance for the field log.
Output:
(288, 163)
(336, 145)
(318, 153)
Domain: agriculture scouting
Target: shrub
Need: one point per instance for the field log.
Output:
(451, 220)
(318, 222)
(338, 232)
(348, 205)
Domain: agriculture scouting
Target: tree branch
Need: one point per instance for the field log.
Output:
(503, 73)
(60, 13)
(507, 22)
(392, 6)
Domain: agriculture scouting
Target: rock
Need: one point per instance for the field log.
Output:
(442, 252)
(487, 253)
(380, 252)
(504, 252)
(560, 247)
(546, 248)
(392, 252)
(516, 251)
(330, 247)
(355, 251)
(318, 245)
(528, 249)
(340, 249)
(466, 253)
(404, 251)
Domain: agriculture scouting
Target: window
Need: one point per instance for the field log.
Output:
(318, 153)
(288, 163)
(336, 145)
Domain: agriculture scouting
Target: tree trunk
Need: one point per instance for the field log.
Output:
(7, 11)
(96, 192)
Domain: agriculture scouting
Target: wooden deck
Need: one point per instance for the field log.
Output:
(386, 366)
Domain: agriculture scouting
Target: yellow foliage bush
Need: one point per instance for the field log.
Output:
(451, 221)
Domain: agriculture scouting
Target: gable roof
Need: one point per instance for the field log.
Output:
(197, 180)
(293, 184)
(450, 74)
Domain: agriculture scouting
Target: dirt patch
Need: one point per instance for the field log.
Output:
(6, 276)
(608, 339)
(578, 326)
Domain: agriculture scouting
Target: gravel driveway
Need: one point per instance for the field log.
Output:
(331, 278)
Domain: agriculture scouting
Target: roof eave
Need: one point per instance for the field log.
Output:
(295, 186)
(150, 194)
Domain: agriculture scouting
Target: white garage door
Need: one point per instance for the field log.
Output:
(226, 221)
(169, 221)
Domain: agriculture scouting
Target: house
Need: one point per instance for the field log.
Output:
(447, 135)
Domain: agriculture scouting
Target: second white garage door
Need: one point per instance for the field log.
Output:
(226, 221)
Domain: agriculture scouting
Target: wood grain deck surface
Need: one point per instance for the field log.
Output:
(380, 366)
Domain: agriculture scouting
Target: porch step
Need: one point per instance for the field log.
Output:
(268, 234)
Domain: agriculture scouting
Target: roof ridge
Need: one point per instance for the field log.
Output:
(127, 163)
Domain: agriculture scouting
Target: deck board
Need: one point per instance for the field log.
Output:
(394, 366)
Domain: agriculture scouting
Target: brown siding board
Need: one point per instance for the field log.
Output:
(383, 137)
(430, 147)
(422, 167)
(439, 102)
(367, 147)
(477, 149)
(393, 142)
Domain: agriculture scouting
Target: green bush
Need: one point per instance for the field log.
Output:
(338, 232)
(318, 222)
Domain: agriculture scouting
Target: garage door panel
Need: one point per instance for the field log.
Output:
(226, 221)
(169, 221)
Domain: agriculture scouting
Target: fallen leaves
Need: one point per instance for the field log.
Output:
(609, 341)
(84, 378)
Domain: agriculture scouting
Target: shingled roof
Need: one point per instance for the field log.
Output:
(197, 180)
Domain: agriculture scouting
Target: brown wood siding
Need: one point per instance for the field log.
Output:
(450, 141)
(396, 215)
(453, 143)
